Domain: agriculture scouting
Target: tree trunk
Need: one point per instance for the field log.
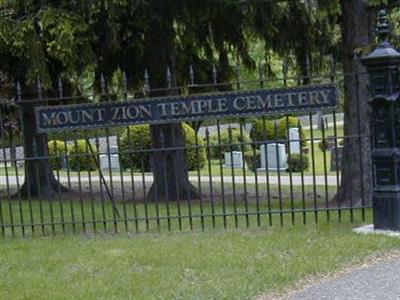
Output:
(39, 177)
(356, 182)
(169, 167)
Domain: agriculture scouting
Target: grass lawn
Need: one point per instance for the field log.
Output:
(215, 264)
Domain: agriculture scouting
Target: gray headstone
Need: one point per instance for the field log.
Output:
(113, 149)
(233, 159)
(112, 164)
(276, 157)
(294, 138)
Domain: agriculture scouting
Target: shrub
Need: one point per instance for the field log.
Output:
(283, 124)
(80, 157)
(56, 150)
(137, 138)
(253, 160)
(239, 142)
(298, 163)
(267, 131)
(262, 130)
(195, 156)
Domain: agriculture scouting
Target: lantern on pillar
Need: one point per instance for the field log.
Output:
(383, 65)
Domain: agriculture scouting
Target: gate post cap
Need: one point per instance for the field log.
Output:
(384, 54)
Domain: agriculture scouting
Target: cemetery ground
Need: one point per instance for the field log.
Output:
(232, 263)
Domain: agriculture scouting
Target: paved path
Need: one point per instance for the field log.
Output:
(380, 281)
(261, 179)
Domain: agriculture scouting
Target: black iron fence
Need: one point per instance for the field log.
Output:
(240, 171)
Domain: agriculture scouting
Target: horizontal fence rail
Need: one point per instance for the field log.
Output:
(241, 171)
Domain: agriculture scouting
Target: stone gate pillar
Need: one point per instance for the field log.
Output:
(383, 65)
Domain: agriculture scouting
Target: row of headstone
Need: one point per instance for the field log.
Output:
(273, 156)
(110, 161)
(233, 159)
(107, 161)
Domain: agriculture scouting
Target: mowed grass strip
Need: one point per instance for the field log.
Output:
(215, 264)
(44, 217)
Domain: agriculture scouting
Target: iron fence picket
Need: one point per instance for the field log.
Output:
(235, 197)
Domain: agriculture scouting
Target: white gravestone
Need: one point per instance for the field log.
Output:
(233, 159)
(276, 157)
(113, 162)
(294, 138)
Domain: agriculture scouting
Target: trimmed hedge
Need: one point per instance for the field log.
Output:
(261, 131)
(292, 122)
(239, 142)
(298, 163)
(80, 158)
(56, 150)
(137, 138)
(195, 156)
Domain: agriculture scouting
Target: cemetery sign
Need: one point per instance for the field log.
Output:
(186, 108)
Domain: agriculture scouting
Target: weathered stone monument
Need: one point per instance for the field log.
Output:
(294, 138)
(233, 159)
(110, 161)
(273, 157)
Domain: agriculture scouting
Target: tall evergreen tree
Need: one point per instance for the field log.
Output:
(48, 39)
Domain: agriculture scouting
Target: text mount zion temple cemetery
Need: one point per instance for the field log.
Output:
(175, 109)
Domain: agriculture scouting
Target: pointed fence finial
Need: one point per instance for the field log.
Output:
(333, 64)
(60, 87)
(169, 78)
(214, 74)
(124, 83)
(162, 138)
(308, 63)
(146, 84)
(285, 67)
(237, 71)
(207, 133)
(19, 91)
(261, 69)
(39, 87)
(102, 83)
(191, 75)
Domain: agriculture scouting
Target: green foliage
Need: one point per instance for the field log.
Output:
(133, 140)
(80, 157)
(137, 138)
(298, 163)
(267, 130)
(46, 42)
(195, 151)
(56, 149)
(263, 130)
(253, 160)
(235, 142)
(284, 124)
